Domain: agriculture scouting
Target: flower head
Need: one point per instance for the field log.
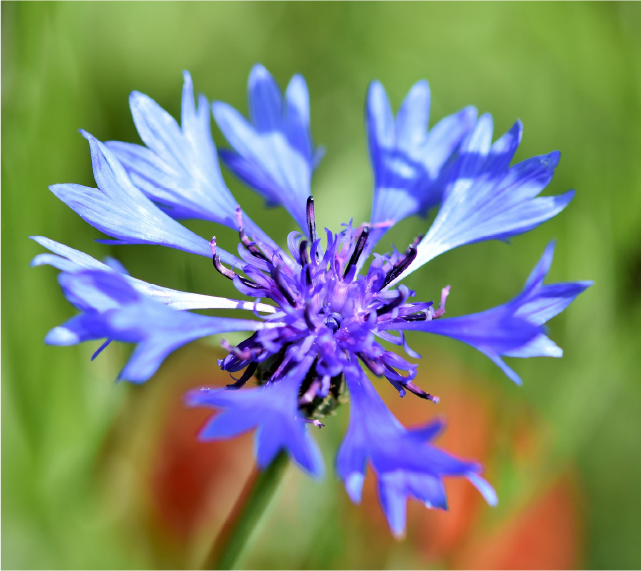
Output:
(321, 309)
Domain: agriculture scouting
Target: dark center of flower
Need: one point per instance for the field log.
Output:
(327, 309)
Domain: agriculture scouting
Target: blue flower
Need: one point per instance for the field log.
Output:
(112, 309)
(120, 209)
(69, 260)
(321, 314)
(486, 199)
(406, 159)
(274, 154)
(514, 329)
(178, 169)
(273, 410)
(406, 464)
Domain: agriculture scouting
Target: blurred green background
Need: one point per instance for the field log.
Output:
(96, 474)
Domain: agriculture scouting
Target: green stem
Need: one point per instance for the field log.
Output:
(247, 513)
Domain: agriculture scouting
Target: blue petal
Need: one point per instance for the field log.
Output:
(265, 101)
(486, 200)
(539, 303)
(392, 494)
(406, 467)
(178, 169)
(121, 210)
(514, 329)
(484, 487)
(70, 260)
(493, 332)
(406, 159)
(273, 411)
(274, 153)
(112, 308)
(429, 431)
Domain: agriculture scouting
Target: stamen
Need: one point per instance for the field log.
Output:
(304, 260)
(401, 266)
(251, 246)
(358, 250)
(278, 373)
(302, 251)
(417, 240)
(307, 314)
(415, 317)
(249, 372)
(377, 368)
(229, 274)
(217, 264)
(400, 299)
(441, 308)
(314, 422)
(282, 286)
(419, 392)
(311, 218)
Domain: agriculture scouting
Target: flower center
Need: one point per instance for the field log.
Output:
(327, 310)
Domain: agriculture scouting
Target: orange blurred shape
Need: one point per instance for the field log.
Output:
(543, 535)
(195, 483)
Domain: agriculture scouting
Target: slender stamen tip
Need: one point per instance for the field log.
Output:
(239, 218)
(441, 308)
(311, 219)
(433, 398)
(212, 245)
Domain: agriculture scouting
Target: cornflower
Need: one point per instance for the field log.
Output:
(326, 310)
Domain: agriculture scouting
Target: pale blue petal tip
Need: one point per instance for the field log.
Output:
(486, 490)
(354, 486)
(61, 336)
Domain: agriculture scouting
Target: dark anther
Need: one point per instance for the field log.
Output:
(410, 386)
(311, 219)
(400, 299)
(307, 314)
(215, 258)
(358, 250)
(249, 283)
(249, 371)
(226, 271)
(302, 250)
(415, 317)
(399, 268)
(251, 247)
(304, 260)
(377, 368)
(282, 286)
